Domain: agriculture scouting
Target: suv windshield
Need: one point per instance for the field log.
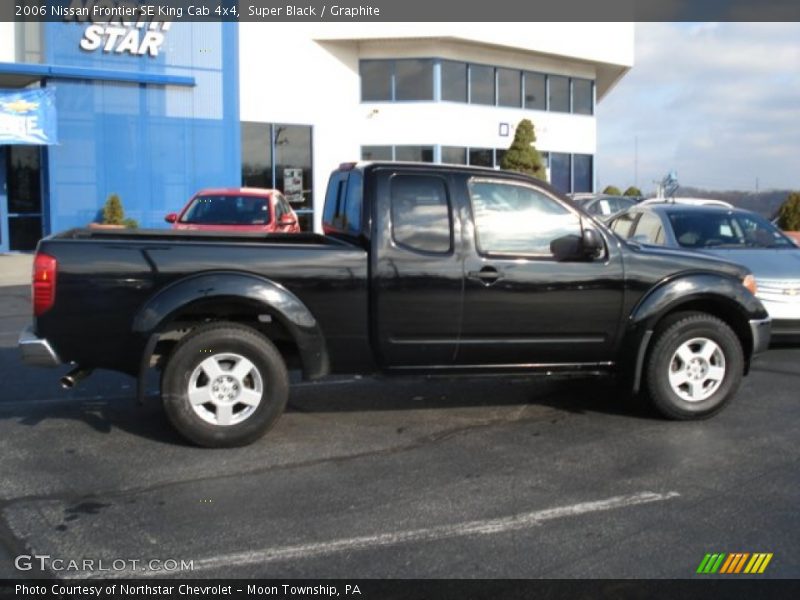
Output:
(227, 210)
(703, 229)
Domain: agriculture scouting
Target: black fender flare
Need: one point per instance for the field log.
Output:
(275, 299)
(724, 291)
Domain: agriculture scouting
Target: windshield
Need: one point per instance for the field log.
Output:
(703, 229)
(227, 210)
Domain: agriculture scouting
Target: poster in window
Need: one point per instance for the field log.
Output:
(293, 185)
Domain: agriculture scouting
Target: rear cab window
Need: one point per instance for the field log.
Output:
(344, 204)
(420, 213)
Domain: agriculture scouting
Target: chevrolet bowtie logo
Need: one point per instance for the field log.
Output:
(19, 106)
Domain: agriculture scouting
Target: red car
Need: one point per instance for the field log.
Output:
(237, 209)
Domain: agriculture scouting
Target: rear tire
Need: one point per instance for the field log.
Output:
(695, 366)
(224, 385)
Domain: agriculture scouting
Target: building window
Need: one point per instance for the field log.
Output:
(376, 153)
(481, 84)
(582, 176)
(509, 88)
(293, 163)
(454, 81)
(376, 80)
(582, 97)
(481, 157)
(535, 91)
(413, 79)
(421, 214)
(279, 156)
(414, 153)
(454, 155)
(560, 167)
(28, 41)
(559, 93)
(256, 155)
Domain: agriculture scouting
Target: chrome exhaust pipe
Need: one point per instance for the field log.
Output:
(71, 379)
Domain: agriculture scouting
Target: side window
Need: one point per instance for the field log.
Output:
(649, 230)
(420, 213)
(518, 219)
(287, 209)
(334, 202)
(343, 203)
(353, 203)
(623, 223)
(279, 208)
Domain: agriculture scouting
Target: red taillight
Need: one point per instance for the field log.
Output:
(44, 283)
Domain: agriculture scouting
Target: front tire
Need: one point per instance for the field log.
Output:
(224, 385)
(695, 367)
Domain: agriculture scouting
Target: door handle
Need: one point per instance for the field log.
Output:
(487, 275)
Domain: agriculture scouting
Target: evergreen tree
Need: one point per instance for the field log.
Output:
(522, 156)
(113, 214)
(789, 214)
(633, 191)
(612, 190)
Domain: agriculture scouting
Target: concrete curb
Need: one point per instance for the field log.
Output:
(15, 269)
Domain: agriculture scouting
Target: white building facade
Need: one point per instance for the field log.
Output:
(153, 112)
(438, 92)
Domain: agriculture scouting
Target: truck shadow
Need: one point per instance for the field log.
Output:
(572, 395)
(106, 402)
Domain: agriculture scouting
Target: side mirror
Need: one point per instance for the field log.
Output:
(171, 217)
(572, 247)
(592, 243)
(288, 220)
(567, 248)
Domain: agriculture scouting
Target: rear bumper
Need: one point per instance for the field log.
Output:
(761, 330)
(35, 350)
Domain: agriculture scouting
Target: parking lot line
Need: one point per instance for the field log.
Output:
(428, 534)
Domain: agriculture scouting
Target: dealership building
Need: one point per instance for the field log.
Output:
(154, 111)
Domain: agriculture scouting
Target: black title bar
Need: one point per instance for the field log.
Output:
(401, 10)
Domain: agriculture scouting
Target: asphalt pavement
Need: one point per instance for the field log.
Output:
(416, 478)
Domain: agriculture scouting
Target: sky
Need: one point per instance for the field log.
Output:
(718, 103)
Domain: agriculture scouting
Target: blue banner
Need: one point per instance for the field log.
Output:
(28, 117)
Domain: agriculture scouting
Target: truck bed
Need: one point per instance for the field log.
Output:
(169, 235)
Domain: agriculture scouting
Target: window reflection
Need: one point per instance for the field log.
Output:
(509, 87)
(481, 84)
(413, 79)
(420, 213)
(454, 81)
(559, 93)
(582, 96)
(518, 220)
(414, 153)
(535, 91)
(279, 156)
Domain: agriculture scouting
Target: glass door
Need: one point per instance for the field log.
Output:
(3, 202)
(23, 189)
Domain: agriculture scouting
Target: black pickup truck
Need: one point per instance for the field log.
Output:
(422, 268)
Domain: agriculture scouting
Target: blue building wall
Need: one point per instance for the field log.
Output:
(153, 145)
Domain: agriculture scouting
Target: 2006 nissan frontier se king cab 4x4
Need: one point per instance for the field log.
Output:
(422, 268)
